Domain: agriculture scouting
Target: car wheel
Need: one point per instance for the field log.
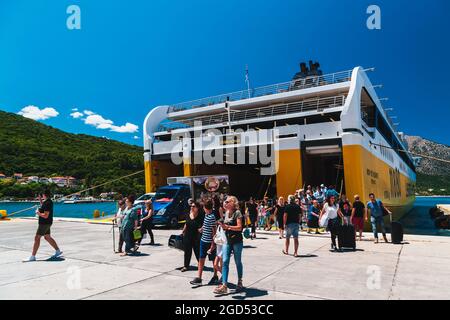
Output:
(173, 222)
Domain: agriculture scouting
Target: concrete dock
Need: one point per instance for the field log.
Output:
(417, 269)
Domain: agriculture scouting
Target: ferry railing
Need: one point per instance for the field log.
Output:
(317, 104)
(296, 84)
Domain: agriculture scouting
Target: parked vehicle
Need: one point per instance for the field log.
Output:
(144, 197)
(170, 203)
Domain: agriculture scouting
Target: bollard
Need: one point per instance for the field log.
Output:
(3, 214)
(103, 213)
(96, 213)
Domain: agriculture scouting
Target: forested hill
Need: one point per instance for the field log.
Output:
(33, 148)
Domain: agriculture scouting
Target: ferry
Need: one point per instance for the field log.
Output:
(319, 128)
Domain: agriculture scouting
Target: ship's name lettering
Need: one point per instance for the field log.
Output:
(372, 174)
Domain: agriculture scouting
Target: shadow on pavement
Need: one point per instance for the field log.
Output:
(307, 256)
(249, 293)
(152, 245)
(52, 259)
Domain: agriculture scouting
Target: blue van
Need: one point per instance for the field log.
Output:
(170, 204)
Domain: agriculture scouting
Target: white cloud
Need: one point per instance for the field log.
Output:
(127, 128)
(74, 109)
(76, 115)
(33, 112)
(98, 121)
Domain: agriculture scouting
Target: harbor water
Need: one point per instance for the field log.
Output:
(61, 210)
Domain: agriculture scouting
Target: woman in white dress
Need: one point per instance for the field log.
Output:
(334, 214)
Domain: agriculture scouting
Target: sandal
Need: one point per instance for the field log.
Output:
(221, 290)
(284, 252)
(184, 269)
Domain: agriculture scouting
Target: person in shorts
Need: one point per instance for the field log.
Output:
(207, 245)
(359, 215)
(45, 213)
(291, 220)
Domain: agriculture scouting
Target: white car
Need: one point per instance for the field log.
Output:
(144, 197)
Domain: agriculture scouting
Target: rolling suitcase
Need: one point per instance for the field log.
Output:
(176, 242)
(346, 237)
(396, 232)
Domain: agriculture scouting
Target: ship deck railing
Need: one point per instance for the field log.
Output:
(295, 84)
(316, 104)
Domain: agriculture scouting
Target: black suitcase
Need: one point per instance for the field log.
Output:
(346, 237)
(176, 241)
(396, 232)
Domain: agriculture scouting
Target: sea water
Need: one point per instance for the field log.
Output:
(418, 220)
(76, 210)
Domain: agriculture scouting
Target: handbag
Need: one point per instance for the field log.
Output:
(247, 233)
(220, 238)
(385, 212)
(383, 209)
(137, 234)
(324, 220)
(234, 237)
(176, 241)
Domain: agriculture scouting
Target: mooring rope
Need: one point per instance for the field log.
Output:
(413, 153)
(81, 191)
(140, 171)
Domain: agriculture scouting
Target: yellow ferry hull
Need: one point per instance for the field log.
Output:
(365, 173)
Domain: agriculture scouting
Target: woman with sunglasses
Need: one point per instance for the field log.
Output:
(232, 225)
(147, 221)
(192, 233)
(331, 209)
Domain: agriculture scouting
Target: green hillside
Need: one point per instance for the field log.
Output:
(32, 148)
(432, 185)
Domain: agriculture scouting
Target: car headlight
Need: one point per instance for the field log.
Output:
(161, 212)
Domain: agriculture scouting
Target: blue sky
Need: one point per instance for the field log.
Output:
(132, 55)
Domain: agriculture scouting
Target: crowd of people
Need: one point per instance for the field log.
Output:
(216, 226)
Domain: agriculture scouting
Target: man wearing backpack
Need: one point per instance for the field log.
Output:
(376, 216)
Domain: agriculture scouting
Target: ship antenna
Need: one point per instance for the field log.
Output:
(247, 80)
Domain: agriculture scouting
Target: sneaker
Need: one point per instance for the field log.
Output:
(57, 254)
(30, 259)
(214, 280)
(221, 290)
(196, 281)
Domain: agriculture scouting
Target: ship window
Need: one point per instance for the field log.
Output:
(368, 109)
